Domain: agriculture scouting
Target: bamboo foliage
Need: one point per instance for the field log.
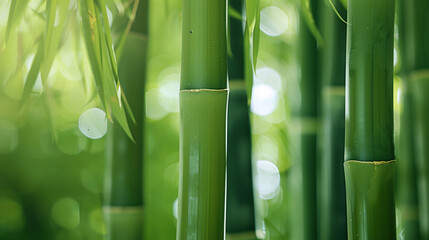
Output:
(369, 149)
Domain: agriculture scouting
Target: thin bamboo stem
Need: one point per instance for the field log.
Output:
(240, 216)
(305, 225)
(123, 204)
(332, 198)
(407, 192)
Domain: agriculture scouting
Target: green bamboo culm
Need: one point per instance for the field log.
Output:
(240, 216)
(369, 148)
(123, 204)
(332, 213)
(407, 191)
(418, 76)
(304, 215)
(203, 112)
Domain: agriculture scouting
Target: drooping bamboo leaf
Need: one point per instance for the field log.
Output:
(56, 15)
(251, 35)
(120, 44)
(309, 19)
(33, 73)
(103, 61)
(91, 35)
(17, 9)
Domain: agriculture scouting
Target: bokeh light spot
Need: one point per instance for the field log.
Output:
(274, 21)
(175, 208)
(154, 109)
(264, 99)
(93, 123)
(268, 177)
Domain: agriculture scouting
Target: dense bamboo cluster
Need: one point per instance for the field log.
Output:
(339, 183)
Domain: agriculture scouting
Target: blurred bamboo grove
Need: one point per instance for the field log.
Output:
(90, 123)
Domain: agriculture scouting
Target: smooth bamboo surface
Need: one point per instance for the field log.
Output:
(370, 199)
(369, 145)
(202, 164)
(204, 58)
(407, 191)
(240, 215)
(369, 80)
(305, 225)
(332, 195)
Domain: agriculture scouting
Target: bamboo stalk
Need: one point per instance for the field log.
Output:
(420, 85)
(203, 109)
(240, 216)
(418, 59)
(332, 198)
(123, 207)
(369, 149)
(304, 222)
(407, 192)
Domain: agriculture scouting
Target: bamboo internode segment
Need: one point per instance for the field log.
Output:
(369, 80)
(370, 199)
(204, 61)
(202, 164)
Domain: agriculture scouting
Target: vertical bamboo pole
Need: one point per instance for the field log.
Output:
(332, 195)
(419, 84)
(369, 148)
(240, 217)
(305, 225)
(203, 109)
(123, 204)
(407, 198)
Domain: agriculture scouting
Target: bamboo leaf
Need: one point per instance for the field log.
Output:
(16, 11)
(91, 35)
(56, 15)
(120, 45)
(33, 73)
(103, 60)
(309, 19)
(251, 35)
(234, 13)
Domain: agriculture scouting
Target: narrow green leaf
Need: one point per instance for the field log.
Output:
(16, 11)
(234, 13)
(120, 45)
(103, 61)
(309, 19)
(56, 15)
(110, 87)
(108, 38)
(32, 74)
(92, 42)
(336, 12)
(251, 42)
